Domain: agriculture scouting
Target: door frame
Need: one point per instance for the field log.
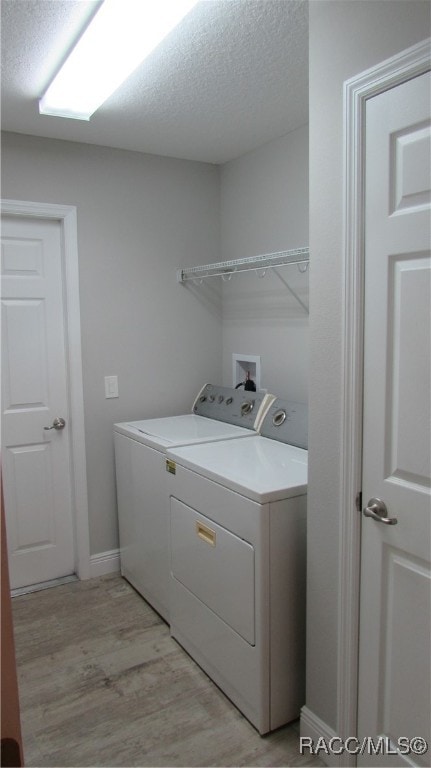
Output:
(66, 216)
(404, 66)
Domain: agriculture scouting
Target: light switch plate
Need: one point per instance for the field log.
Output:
(111, 386)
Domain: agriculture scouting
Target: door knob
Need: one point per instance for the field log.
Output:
(378, 511)
(58, 423)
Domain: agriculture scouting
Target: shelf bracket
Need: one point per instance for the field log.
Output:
(294, 294)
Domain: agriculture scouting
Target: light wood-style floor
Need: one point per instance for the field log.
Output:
(103, 684)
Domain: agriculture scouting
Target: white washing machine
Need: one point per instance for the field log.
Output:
(238, 538)
(218, 413)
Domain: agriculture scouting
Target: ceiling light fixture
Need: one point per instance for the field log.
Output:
(119, 37)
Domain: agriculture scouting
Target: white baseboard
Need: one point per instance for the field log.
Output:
(315, 728)
(104, 562)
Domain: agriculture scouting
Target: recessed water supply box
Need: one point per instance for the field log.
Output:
(245, 366)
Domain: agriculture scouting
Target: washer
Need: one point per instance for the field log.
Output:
(218, 413)
(238, 520)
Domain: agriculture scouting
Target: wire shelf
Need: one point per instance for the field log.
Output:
(226, 269)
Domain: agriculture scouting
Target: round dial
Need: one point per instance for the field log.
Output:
(279, 418)
(246, 407)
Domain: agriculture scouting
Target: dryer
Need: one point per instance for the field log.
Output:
(238, 538)
(218, 413)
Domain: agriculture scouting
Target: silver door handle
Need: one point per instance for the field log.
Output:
(378, 511)
(58, 423)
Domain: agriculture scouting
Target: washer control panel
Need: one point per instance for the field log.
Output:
(287, 422)
(234, 406)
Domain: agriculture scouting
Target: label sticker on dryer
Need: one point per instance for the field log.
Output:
(171, 466)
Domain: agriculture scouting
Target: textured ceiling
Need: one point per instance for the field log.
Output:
(231, 77)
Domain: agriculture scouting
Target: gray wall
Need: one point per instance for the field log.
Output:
(264, 208)
(140, 217)
(346, 38)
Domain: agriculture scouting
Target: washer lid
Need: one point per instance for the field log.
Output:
(180, 430)
(261, 469)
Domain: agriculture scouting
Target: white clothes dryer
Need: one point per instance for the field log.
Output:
(238, 538)
(218, 413)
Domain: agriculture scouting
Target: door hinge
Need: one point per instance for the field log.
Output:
(358, 501)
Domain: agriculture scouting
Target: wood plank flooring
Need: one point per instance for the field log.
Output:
(102, 683)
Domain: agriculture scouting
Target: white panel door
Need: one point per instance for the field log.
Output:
(35, 460)
(394, 664)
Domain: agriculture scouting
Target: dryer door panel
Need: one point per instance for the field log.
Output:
(216, 566)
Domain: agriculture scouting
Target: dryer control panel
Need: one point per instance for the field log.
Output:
(234, 406)
(287, 422)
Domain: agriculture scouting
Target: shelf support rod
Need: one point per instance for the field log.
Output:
(294, 294)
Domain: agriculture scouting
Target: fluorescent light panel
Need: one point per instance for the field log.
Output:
(119, 37)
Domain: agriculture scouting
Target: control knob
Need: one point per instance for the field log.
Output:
(246, 407)
(279, 417)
